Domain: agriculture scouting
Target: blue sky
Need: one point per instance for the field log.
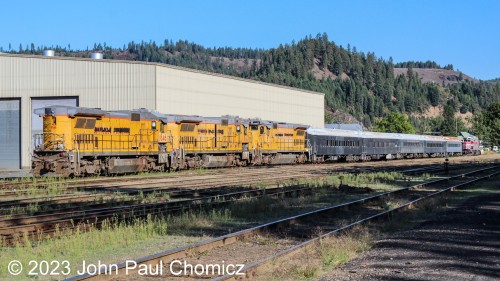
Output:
(463, 33)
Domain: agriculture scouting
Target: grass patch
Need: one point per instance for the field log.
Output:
(107, 199)
(120, 240)
(312, 261)
(316, 260)
(103, 244)
(32, 186)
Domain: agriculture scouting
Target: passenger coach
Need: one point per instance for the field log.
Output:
(333, 144)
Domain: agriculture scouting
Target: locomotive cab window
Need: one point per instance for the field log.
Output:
(187, 127)
(254, 127)
(80, 123)
(90, 124)
(261, 130)
(135, 117)
(153, 125)
(238, 129)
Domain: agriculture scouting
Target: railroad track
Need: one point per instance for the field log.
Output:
(82, 182)
(88, 194)
(15, 229)
(113, 184)
(172, 194)
(288, 235)
(159, 183)
(170, 188)
(45, 223)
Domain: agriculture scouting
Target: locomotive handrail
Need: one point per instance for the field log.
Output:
(204, 141)
(49, 141)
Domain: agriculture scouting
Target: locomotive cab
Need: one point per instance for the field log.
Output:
(52, 146)
(56, 127)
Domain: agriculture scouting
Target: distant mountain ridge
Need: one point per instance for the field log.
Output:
(442, 77)
(357, 86)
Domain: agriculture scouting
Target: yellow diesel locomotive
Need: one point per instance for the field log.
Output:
(80, 141)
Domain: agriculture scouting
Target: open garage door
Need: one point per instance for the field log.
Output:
(10, 134)
(36, 121)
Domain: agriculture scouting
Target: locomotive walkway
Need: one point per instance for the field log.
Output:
(460, 244)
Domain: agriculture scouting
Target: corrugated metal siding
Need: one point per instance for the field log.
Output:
(128, 85)
(108, 85)
(98, 83)
(9, 134)
(185, 92)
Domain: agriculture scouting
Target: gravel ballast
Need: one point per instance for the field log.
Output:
(459, 244)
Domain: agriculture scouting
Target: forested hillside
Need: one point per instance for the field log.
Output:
(355, 83)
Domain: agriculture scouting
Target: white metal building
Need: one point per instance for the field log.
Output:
(29, 82)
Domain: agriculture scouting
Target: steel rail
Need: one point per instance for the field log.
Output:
(216, 183)
(64, 217)
(206, 245)
(47, 223)
(95, 180)
(6, 185)
(252, 269)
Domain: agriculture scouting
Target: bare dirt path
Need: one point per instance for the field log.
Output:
(460, 244)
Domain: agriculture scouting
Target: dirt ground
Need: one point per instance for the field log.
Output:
(460, 244)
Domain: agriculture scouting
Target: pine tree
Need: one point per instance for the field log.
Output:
(395, 123)
(448, 128)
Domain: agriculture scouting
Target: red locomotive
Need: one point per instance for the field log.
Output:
(470, 144)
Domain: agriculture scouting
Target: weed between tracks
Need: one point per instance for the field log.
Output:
(31, 186)
(118, 240)
(322, 257)
(105, 200)
(114, 238)
(329, 252)
(197, 171)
